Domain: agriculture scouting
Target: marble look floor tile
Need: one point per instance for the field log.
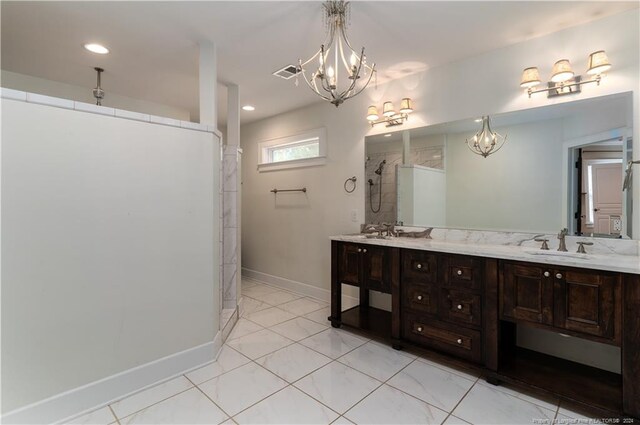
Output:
(338, 386)
(146, 398)
(548, 402)
(270, 316)
(289, 406)
(333, 342)
(280, 297)
(320, 316)
(298, 328)
(342, 421)
(484, 405)
(452, 420)
(574, 411)
(451, 368)
(248, 283)
(376, 360)
(432, 385)
(244, 327)
(259, 343)
(189, 407)
(97, 417)
(236, 390)
(293, 362)
(258, 291)
(386, 405)
(250, 305)
(303, 306)
(227, 360)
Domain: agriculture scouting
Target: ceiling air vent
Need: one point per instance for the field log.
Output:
(287, 72)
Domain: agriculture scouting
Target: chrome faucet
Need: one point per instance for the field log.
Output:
(563, 233)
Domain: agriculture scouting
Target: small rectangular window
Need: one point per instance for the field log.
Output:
(301, 150)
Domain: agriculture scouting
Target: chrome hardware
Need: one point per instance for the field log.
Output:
(547, 274)
(419, 297)
(419, 266)
(459, 272)
(559, 276)
(563, 246)
(459, 341)
(419, 329)
(545, 245)
(364, 250)
(459, 307)
(359, 249)
(581, 245)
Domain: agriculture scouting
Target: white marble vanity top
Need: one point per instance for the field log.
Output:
(606, 254)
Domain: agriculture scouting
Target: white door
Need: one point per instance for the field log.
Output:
(607, 196)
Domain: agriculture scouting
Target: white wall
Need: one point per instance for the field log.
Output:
(28, 83)
(288, 236)
(108, 246)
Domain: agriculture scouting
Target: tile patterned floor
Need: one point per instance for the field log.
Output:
(284, 364)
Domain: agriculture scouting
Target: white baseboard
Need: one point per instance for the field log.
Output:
(299, 287)
(81, 400)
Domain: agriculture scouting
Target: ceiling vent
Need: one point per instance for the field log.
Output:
(287, 72)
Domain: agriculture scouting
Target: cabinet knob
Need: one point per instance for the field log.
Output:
(459, 306)
(359, 249)
(559, 276)
(459, 341)
(419, 266)
(419, 297)
(459, 272)
(419, 329)
(547, 274)
(364, 250)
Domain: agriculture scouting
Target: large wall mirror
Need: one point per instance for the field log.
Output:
(561, 166)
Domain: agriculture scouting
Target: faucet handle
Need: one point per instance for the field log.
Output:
(544, 246)
(581, 245)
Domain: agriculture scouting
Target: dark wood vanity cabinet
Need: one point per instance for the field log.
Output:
(582, 302)
(471, 308)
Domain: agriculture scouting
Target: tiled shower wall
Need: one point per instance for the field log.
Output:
(426, 156)
(230, 227)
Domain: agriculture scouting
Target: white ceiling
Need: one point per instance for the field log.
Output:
(154, 53)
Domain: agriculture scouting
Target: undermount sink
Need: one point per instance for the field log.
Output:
(560, 254)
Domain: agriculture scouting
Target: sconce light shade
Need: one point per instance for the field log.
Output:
(598, 63)
(561, 71)
(406, 106)
(387, 109)
(372, 113)
(530, 77)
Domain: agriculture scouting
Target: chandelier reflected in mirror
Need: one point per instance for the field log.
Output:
(486, 142)
(337, 72)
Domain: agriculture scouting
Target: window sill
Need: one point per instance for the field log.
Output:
(296, 163)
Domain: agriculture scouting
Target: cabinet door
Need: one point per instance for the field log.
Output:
(585, 302)
(526, 293)
(376, 268)
(349, 263)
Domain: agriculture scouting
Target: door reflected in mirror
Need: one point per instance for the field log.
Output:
(561, 167)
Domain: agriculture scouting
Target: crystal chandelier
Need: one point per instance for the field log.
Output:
(334, 54)
(485, 142)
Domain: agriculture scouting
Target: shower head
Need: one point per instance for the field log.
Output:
(380, 167)
(628, 174)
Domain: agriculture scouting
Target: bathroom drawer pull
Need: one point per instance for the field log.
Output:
(419, 297)
(364, 250)
(419, 266)
(359, 249)
(419, 329)
(559, 276)
(547, 274)
(459, 307)
(459, 272)
(459, 341)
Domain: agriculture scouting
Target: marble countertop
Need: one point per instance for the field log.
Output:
(520, 252)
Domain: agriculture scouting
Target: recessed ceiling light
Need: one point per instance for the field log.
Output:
(387, 135)
(96, 48)
(248, 108)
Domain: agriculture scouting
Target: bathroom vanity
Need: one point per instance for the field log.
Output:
(466, 300)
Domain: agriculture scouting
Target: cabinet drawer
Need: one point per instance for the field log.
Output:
(421, 298)
(462, 272)
(419, 267)
(461, 342)
(461, 307)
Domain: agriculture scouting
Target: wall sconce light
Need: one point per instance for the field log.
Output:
(390, 116)
(563, 80)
